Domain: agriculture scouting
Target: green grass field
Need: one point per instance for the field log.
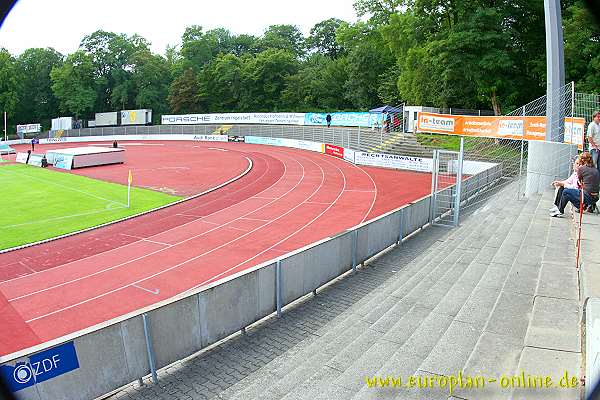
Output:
(38, 203)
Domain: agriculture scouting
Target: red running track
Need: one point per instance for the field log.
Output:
(289, 199)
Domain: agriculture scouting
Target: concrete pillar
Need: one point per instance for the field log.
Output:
(546, 162)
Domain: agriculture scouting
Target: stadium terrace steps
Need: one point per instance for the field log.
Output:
(483, 298)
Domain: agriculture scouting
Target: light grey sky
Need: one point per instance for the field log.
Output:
(61, 24)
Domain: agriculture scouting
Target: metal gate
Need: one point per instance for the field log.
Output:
(446, 182)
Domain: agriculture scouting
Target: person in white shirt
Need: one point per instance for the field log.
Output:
(593, 136)
(569, 183)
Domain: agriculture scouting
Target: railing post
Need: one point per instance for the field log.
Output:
(458, 185)
(149, 348)
(354, 248)
(521, 160)
(278, 282)
(401, 227)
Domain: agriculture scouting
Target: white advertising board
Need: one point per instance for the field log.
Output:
(111, 138)
(29, 128)
(235, 118)
(393, 161)
(21, 158)
(297, 144)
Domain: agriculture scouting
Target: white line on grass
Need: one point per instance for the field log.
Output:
(63, 217)
(64, 186)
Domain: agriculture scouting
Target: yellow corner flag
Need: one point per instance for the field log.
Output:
(130, 178)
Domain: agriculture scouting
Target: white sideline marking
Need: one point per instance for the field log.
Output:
(63, 217)
(63, 186)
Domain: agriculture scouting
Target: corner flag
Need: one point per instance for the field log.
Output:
(129, 179)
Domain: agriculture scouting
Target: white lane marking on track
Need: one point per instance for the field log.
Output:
(187, 261)
(26, 266)
(157, 251)
(155, 291)
(214, 148)
(282, 240)
(168, 230)
(256, 219)
(141, 238)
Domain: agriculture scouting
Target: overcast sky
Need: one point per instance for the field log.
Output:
(61, 24)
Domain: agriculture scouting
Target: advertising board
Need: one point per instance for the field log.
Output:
(394, 161)
(235, 118)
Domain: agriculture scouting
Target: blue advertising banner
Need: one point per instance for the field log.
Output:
(41, 367)
(344, 119)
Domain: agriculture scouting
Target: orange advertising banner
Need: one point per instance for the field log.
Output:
(501, 127)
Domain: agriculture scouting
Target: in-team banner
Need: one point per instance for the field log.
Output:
(235, 118)
(501, 127)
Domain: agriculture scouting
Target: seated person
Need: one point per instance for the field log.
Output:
(569, 183)
(588, 178)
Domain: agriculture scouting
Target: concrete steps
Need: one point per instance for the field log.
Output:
(363, 341)
(496, 295)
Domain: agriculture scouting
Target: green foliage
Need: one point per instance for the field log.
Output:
(37, 101)
(74, 84)
(322, 38)
(8, 82)
(582, 48)
(284, 37)
(184, 94)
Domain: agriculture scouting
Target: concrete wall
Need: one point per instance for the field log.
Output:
(592, 344)
(114, 354)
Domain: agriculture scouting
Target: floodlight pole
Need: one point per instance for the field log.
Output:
(555, 69)
(5, 133)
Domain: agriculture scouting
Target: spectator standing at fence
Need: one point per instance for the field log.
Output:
(328, 119)
(34, 141)
(589, 179)
(593, 136)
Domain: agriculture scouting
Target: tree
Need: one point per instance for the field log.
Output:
(264, 78)
(284, 37)
(184, 94)
(195, 49)
(322, 38)
(8, 82)
(380, 10)
(73, 83)
(317, 85)
(582, 48)
(112, 56)
(223, 83)
(37, 102)
(151, 79)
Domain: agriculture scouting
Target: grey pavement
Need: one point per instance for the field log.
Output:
(496, 299)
